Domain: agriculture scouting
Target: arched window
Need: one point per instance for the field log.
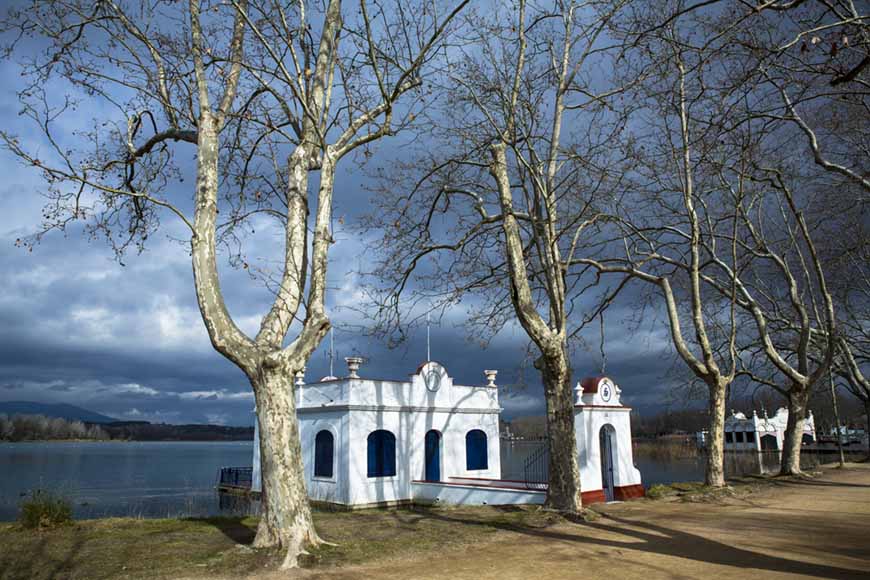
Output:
(381, 454)
(475, 450)
(323, 453)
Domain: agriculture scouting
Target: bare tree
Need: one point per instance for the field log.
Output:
(494, 208)
(268, 94)
(675, 216)
(780, 74)
(852, 297)
(806, 85)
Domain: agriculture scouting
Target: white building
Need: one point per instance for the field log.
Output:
(603, 432)
(763, 433)
(370, 442)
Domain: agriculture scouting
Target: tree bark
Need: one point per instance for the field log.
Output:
(837, 419)
(285, 516)
(563, 492)
(867, 412)
(791, 447)
(564, 484)
(714, 474)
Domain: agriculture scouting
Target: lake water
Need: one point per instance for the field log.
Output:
(147, 479)
(166, 479)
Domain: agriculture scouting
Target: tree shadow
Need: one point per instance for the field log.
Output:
(791, 480)
(648, 537)
(40, 563)
(232, 527)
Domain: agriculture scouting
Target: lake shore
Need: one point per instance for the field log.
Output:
(779, 527)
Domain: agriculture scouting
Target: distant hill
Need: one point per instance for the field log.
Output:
(62, 410)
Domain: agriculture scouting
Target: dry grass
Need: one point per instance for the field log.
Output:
(205, 548)
(666, 448)
(127, 548)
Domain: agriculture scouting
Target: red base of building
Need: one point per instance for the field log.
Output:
(590, 497)
(619, 493)
(628, 492)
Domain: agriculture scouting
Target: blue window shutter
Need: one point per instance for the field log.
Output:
(389, 454)
(381, 454)
(323, 454)
(475, 450)
(373, 455)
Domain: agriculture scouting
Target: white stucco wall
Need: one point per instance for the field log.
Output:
(335, 488)
(591, 413)
(352, 408)
(458, 494)
(410, 428)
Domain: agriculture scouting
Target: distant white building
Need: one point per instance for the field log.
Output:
(372, 442)
(849, 434)
(763, 433)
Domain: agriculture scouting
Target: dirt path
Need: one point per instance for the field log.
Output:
(814, 528)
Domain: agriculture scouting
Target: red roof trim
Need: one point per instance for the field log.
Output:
(590, 384)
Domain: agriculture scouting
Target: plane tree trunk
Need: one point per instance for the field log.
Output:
(285, 516)
(563, 492)
(791, 445)
(867, 416)
(714, 472)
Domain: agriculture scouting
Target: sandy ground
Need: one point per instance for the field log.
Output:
(818, 527)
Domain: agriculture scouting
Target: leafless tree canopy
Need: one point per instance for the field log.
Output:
(266, 98)
(713, 152)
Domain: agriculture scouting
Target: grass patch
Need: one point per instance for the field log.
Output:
(209, 547)
(129, 548)
(368, 535)
(686, 490)
(43, 510)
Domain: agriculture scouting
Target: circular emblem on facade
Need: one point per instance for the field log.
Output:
(606, 390)
(433, 380)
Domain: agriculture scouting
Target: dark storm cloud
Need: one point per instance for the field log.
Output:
(76, 327)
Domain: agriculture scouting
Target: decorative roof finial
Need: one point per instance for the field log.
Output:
(353, 364)
(578, 392)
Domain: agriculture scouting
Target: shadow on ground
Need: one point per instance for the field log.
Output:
(666, 541)
(232, 527)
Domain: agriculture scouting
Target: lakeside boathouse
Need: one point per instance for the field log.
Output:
(763, 433)
(374, 442)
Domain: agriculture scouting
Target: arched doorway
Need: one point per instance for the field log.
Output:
(433, 456)
(607, 447)
(768, 443)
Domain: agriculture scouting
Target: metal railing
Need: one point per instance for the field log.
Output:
(240, 477)
(536, 469)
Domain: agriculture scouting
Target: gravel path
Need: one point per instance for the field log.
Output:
(818, 527)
